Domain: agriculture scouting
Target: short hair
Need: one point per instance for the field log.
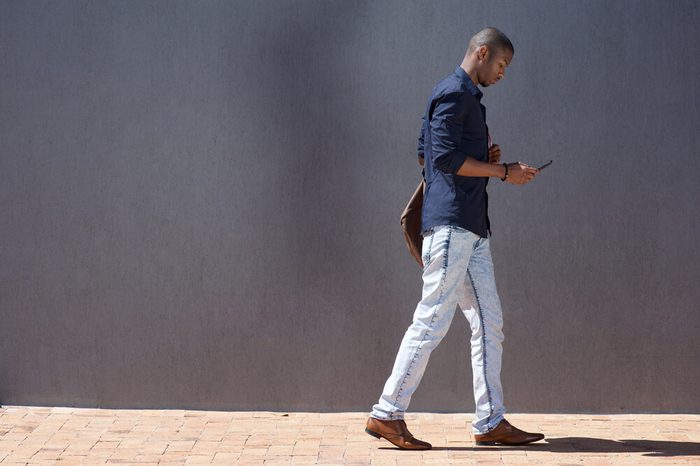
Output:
(492, 38)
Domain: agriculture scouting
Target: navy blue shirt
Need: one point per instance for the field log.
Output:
(454, 128)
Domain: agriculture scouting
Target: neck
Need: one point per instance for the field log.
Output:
(469, 68)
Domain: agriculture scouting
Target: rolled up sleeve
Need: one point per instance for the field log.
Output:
(446, 126)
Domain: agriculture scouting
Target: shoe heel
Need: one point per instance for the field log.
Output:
(373, 434)
(486, 444)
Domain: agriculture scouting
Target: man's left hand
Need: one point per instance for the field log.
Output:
(494, 153)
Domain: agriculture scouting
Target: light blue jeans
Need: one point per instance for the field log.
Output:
(458, 271)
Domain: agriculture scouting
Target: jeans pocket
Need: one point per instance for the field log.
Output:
(427, 245)
(474, 237)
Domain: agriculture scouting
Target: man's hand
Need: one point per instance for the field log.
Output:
(421, 161)
(520, 173)
(494, 153)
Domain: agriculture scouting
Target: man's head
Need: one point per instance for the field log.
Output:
(488, 55)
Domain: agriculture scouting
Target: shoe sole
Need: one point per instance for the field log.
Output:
(491, 444)
(376, 435)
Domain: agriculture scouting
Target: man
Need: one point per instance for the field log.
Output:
(458, 271)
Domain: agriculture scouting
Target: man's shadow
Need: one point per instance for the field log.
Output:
(654, 448)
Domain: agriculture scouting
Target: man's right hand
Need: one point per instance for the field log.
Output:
(520, 173)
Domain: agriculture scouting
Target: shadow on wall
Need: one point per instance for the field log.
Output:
(297, 94)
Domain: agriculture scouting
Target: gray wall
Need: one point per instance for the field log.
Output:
(200, 202)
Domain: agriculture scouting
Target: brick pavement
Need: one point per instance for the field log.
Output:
(54, 435)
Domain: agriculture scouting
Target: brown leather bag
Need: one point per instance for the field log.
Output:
(411, 223)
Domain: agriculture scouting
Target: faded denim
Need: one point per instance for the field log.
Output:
(458, 271)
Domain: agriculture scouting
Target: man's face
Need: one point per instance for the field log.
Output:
(494, 67)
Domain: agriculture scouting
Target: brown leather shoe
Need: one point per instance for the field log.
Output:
(506, 434)
(396, 432)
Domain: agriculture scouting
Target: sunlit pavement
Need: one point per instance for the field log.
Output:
(56, 435)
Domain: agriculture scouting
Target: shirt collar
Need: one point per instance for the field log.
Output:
(468, 81)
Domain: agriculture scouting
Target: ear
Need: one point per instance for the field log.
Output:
(482, 52)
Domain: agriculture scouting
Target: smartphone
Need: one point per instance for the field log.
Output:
(545, 165)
